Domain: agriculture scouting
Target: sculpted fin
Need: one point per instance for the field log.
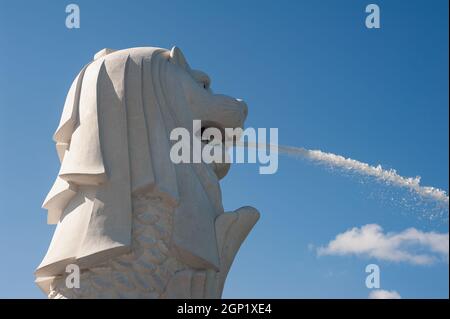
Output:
(231, 230)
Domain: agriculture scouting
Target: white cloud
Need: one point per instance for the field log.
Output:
(384, 294)
(411, 245)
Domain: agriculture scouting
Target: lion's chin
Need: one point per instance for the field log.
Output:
(220, 169)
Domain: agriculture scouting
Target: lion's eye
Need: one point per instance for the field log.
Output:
(204, 84)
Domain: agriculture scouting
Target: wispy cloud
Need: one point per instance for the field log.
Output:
(411, 245)
(384, 294)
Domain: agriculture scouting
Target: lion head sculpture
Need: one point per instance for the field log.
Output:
(113, 144)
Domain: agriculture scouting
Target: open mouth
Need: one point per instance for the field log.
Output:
(210, 139)
(217, 141)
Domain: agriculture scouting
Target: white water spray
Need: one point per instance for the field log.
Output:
(387, 176)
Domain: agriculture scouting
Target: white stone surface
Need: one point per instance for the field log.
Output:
(138, 225)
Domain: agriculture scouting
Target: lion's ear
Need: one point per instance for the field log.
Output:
(177, 57)
(103, 52)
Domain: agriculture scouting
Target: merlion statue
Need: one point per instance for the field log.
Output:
(136, 224)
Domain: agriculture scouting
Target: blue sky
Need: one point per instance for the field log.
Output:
(309, 68)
